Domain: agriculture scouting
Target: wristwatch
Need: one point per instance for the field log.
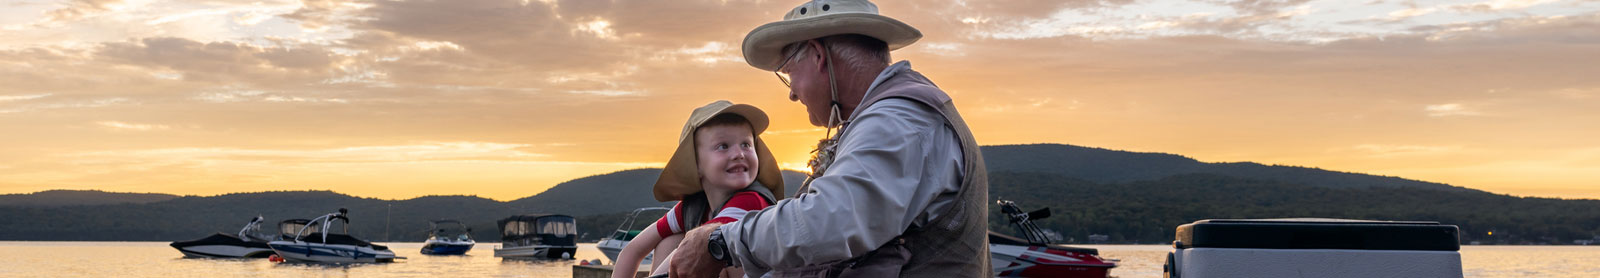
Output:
(718, 247)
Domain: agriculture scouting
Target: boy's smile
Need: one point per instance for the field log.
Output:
(726, 155)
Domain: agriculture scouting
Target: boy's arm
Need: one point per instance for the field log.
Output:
(628, 261)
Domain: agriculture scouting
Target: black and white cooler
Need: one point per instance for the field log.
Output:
(1314, 247)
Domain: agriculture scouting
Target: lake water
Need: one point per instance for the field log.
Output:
(156, 259)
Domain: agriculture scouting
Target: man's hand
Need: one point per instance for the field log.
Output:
(691, 259)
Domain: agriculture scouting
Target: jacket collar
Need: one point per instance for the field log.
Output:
(872, 90)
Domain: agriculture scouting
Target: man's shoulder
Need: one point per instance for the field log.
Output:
(900, 112)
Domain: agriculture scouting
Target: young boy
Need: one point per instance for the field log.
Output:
(720, 163)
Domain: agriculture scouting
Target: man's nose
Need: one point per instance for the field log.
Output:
(793, 96)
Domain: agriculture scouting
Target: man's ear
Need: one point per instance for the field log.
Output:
(816, 55)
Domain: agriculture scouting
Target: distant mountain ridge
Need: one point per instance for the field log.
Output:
(51, 198)
(1134, 197)
(1113, 166)
(1092, 164)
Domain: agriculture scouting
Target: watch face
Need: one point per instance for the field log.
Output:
(717, 247)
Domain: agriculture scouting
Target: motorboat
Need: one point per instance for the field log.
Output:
(612, 245)
(448, 237)
(313, 241)
(247, 243)
(1035, 255)
(547, 236)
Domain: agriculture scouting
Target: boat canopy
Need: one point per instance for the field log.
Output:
(550, 229)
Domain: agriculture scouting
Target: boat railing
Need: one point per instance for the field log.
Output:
(325, 219)
(1024, 221)
(252, 228)
(622, 230)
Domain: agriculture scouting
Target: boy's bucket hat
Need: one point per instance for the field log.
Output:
(822, 18)
(681, 176)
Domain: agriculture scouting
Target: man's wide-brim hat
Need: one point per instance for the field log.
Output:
(763, 47)
(681, 176)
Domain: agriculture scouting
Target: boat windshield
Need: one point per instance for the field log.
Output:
(628, 236)
(630, 226)
(288, 228)
(449, 229)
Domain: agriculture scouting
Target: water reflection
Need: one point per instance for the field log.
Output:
(156, 259)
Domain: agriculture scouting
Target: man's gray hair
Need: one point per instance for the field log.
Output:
(858, 52)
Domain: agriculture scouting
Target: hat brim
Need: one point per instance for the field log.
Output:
(681, 176)
(763, 47)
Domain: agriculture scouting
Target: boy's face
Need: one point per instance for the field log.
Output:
(726, 156)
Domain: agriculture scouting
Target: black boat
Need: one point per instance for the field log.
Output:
(247, 243)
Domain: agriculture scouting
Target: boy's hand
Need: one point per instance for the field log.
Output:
(691, 259)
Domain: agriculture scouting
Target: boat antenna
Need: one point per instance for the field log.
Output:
(386, 213)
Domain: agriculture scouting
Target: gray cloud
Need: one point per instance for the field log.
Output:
(220, 62)
(528, 74)
(78, 9)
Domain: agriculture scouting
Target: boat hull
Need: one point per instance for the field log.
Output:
(224, 251)
(611, 248)
(1040, 261)
(537, 252)
(330, 253)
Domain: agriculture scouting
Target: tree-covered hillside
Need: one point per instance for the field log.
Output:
(1148, 211)
(1112, 166)
(1130, 197)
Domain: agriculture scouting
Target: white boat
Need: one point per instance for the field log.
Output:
(247, 243)
(313, 241)
(612, 245)
(538, 236)
(1314, 247)
(448, 240)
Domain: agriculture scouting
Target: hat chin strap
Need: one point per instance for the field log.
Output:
(823, 155)
(835, 119)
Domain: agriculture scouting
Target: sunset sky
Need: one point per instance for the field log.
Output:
(505, 98)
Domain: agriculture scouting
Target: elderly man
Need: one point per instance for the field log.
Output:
(899, 189)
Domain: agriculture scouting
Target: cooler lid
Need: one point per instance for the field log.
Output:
(1318, 233)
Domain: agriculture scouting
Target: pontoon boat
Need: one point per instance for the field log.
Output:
(551, 236)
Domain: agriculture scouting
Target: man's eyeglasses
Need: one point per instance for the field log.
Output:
(784, 76)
